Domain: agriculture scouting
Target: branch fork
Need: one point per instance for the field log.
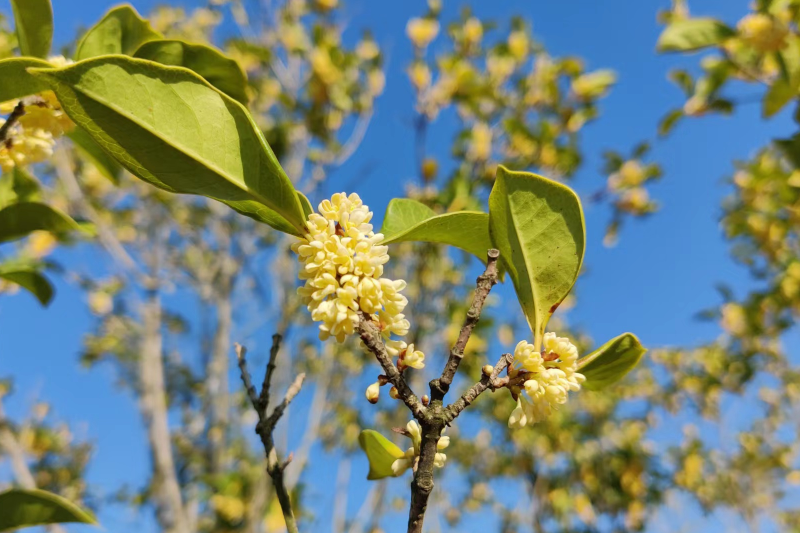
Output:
(432, 414)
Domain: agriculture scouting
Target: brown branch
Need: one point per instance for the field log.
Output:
(266, 424)
(12, 119)
(485, 282)
(489, 381)
(371, 335)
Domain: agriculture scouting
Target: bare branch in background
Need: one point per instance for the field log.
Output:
(266, 424)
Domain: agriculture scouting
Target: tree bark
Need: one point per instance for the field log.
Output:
(153, 405)
(218, 397)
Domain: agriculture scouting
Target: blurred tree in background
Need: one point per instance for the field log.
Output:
(592, 466)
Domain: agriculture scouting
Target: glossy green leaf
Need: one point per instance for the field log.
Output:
(20, 219)
(172, 129)
(33, 22)
(25, 508)
(537, 224)
(305, 204)
(410, 220)
(669, 121)
(611, 361)
(18, 186)
(219, 70)
(381, 453)
(17, 82)
(107, 165)
(120, 31)
(693, 34)
(779, 94)
(31, 280)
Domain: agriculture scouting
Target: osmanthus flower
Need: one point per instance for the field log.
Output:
(342, 264)
(410, 458)
(549, 376)
(763, 32)
(32, 138)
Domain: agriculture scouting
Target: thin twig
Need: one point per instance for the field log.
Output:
(12, 119)
(266, 425)
(371, 335)
(486, 382)
(485, 282)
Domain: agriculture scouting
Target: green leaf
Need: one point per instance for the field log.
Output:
(31, 280)
(24, 508)
(33, 21)
(18, 186)
(611, 361)
(120, 31)
(169, 127)
(20, 219)
(537, 224)
(669, 121)
(791, 149)
(17, 82)
(410, 220)
(778, 95)
(595, 84)
(305, 204)
(107, 165)
(381, 453)
(218, 69)
(693, 34)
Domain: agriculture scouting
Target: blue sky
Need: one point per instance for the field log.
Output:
(652, 283)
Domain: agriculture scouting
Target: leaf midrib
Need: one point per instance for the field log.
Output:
(190, 153)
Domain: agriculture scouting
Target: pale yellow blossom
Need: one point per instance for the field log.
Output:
(422, 31)
(550, 375)
(763, 32)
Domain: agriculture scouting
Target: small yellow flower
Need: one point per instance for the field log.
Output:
(413, 358)
(414, 432)
(518, 44)
(763, 32)
(367, 50)
(422, 31)
(323, 66)
(420, 75)
(100, 303)
(551, 374)
(231, 509)
(376, 81)
(41, 243)
(373, 392)
(473, 31)
(480, 149)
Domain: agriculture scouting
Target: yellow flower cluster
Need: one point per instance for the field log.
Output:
(31, 139)
(342, 266)
(763, 32)
(407, 461)
(421, 31)
(550, 375)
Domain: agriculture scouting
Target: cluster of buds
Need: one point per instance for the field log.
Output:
(409, 459)
(763, 32)
(31, 137)
(547, 378)
(342, 266)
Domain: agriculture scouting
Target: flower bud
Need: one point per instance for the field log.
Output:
(488, 369)
(373, 392)
(393, 393)
(425, 400)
